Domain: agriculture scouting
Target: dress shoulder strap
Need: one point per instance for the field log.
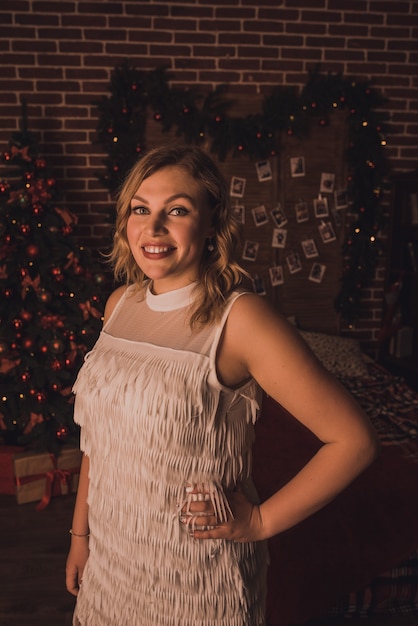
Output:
(220, 327)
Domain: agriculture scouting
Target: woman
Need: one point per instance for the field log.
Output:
(167, 528)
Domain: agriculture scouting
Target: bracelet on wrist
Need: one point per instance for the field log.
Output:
(77, 535)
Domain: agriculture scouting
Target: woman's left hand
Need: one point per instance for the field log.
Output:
(244, 526)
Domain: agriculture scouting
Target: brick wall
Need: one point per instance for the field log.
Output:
(59, 55)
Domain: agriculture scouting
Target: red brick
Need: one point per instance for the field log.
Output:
(192, 38)
(49, 6)
(109, 8)
(175, 24)
(38, 19)
(240, 38)
(12, 32)
(34, 46)
(283, 40)
(145, 8)
(213, 51)
(301, 53)
(320, 16)
(191, 11)
(332, 42)
(237, 13)
(307, 29)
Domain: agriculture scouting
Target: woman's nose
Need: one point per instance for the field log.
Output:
(156, 224)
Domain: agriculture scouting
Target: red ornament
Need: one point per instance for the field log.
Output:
(56, 365)
(56, 271)
(32, 250)
(62, 433)
(4, 348)
(45, 296)
(28, 343)
(25, 377)
(56, 346)
(26, 316)
(25, 229)
(40, 397)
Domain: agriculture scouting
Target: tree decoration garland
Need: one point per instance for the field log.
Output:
(203, 119)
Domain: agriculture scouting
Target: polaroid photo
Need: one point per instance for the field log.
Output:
(237, 188)
(326, 230)
(250, 250)
(279, 237)
(260, 215)
(239, 211)
(278, 216)
(317, 272)
(309, 248)
(320, 207)
(297, 166)
(259, 286)
(276, 275)
(293, 262)
(341, 199)
(302, 212)
(327, 183)
(263, 169)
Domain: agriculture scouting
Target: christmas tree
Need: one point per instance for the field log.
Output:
(51, 301)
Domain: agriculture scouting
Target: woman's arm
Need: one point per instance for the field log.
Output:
(79, 550)
(259, 343)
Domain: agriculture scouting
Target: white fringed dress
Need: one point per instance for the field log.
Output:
(154, 418)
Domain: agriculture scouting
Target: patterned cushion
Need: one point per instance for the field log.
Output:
(340, 355)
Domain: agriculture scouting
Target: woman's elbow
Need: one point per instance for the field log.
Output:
(369, 448)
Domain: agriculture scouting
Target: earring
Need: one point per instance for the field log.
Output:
(210, 246)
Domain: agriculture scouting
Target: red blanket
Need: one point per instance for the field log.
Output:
(369, 528)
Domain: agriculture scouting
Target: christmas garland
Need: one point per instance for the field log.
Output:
(203, 119)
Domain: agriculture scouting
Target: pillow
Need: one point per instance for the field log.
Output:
(342, 356)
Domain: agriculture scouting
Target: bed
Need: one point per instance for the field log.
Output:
(359, 555)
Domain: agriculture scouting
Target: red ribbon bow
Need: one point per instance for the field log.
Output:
(63, 476)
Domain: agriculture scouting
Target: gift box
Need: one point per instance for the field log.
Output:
(41, 475)
(7, 475)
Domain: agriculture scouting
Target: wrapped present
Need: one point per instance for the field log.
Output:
(7, 475)
(41, 475)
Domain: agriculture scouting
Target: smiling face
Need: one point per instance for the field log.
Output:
(168, 228)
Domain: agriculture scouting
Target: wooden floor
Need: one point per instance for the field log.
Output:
(33, 549)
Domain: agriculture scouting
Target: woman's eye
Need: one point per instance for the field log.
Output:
(139, 210)
(179, 210)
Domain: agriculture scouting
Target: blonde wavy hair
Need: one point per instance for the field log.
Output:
(219, 273)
